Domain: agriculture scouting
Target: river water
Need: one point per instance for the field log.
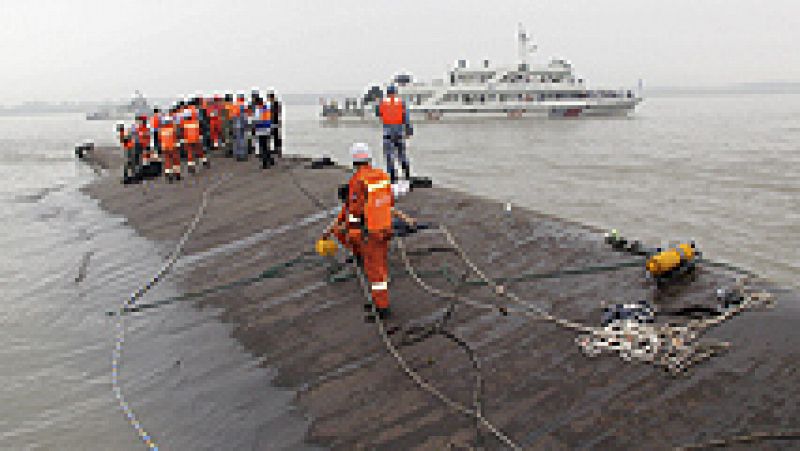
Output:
(724, 171)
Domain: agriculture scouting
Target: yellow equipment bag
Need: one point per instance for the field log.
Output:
(670, 259)
(326, 248)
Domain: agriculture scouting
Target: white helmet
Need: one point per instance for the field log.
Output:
(361, 153)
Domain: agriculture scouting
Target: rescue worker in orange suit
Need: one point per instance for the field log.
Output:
(364, 224)
(168, 136)
(192, 140)
(126, 140)
(215, 122)
(396, 128)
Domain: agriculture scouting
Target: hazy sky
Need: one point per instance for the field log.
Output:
(74, 50)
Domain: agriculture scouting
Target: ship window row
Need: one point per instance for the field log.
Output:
(482, 98)
(468, 78)
(528, 78)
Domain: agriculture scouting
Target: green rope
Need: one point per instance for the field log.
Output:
(272, 272)
(338, 273)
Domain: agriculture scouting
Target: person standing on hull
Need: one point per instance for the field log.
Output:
(215, 122)
(243, 109)
(141, 142)
(205, 124)
(394, 115)
(262, 122)
(364, 224)
(190, 125)
(126, 141)
(228, 113)
(239, 138)
(168, 136)
(255, 101)
(276, 107)
(155, 145)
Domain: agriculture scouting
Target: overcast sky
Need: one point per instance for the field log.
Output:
(91, 50)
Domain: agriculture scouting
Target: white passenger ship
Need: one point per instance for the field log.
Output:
(522, 90)
(138, 105)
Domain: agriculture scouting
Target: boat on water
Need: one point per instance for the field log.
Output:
(137, 105)
(525, 89)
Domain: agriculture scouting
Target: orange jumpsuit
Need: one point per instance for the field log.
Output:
(191, 138)
(358, 218)
(143, 141)
(215, 124)
(169, 149)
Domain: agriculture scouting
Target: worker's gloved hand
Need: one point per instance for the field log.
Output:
(409, 130)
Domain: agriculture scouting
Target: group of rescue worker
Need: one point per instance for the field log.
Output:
(194, 127)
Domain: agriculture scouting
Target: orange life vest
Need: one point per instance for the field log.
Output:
(266, 114)
(233, 110)
(143, 135)
(392, 110)
(166, 136)
(155, 121)
(125, 140)
(242, 103)
(191, 126)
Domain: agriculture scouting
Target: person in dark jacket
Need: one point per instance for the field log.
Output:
(262, 125)
(276, 107)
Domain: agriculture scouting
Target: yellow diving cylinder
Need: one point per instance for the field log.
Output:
(670, 259)
(326, 248)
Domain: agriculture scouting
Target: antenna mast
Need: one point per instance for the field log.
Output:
(524, 48)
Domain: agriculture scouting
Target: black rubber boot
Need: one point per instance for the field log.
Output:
(384, 313)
